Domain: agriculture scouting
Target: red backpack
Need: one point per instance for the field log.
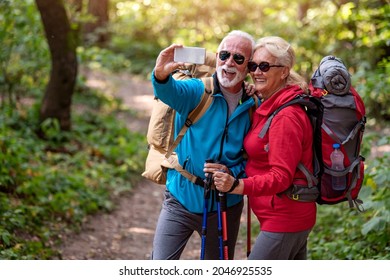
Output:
(337, 114)
(343, 123)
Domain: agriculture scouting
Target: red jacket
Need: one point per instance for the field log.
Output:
(272, 164)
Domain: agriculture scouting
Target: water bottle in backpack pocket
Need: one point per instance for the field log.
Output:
(337, 160)
(338, 180)
(334, 174)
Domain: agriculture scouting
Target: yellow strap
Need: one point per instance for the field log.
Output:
(175, 164)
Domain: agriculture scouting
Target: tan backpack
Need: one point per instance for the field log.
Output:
(160, 133)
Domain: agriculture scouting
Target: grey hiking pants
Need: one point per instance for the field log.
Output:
(280, 246)
(175, 226)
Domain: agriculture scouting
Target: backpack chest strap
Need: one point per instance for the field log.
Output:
(174, 163)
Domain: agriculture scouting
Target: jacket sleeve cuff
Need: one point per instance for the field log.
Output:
(161, 81)
(247, 186)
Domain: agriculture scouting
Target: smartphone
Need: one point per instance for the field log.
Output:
(190, 55)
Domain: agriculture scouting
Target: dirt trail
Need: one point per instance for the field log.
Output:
(127, 233)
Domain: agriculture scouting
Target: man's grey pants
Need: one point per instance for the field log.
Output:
(176, 225)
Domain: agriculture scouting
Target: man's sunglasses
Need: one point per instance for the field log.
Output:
(238, 58)
(263, 66)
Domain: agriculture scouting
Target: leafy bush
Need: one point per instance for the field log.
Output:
(374, 86)
(23, 51)
(98, 58)
(49, 186)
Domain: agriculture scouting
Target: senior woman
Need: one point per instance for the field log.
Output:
(271, 169)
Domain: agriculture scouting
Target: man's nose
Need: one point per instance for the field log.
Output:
(230, 61)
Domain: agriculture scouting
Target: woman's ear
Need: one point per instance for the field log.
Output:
(285, 73)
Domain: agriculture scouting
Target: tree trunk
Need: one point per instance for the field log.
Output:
(97, 29)
(62, 44)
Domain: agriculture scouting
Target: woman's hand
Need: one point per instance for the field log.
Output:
(223, 181)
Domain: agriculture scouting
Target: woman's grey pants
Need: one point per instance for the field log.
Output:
(175, 226)
(280, 246)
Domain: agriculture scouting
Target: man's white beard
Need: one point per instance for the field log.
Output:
(225, 82)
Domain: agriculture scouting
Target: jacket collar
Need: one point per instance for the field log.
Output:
(278, 99)
(217, 89)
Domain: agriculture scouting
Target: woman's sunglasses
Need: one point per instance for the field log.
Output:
(263, 66)
(238, 58)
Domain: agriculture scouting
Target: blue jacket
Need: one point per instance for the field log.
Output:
(215, 136)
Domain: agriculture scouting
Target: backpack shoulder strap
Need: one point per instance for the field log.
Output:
(309, 102)
(204, 103)
(192, 118)
(195, 114)
(312, 181)
(297, 100)
(174, 162)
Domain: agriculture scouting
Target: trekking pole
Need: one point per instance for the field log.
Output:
(222, 198)
(248, 229)
(220, 228)
(206, 195)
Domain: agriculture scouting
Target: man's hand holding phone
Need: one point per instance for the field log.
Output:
(165, 63)
(174, 56)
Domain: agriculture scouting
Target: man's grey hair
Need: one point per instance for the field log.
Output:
(239, 33)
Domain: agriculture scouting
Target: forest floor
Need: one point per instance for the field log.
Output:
(127, 232)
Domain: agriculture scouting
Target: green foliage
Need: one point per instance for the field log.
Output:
(375, 86)
(23, 50)
(14, 149)
(48, 187)
(97, 58)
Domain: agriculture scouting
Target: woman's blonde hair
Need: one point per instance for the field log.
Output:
(285, 55)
